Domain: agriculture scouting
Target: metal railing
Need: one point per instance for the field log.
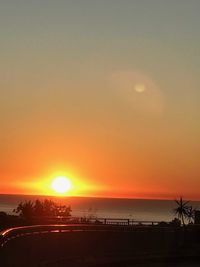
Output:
(74, 225)
(95, 220)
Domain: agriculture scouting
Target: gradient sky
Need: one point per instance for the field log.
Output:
(106, 92)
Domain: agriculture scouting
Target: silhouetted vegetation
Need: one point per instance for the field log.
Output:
(184, 211)
(175, 222)
(191, 215)
(90, 216)
(7, 220)
(38, 208)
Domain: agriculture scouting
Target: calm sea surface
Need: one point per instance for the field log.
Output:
(137, 209)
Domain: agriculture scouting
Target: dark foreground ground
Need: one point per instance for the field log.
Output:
(102, 246)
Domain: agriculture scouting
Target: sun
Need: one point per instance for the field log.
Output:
(61, 184)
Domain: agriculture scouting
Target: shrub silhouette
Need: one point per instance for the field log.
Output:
(38, 208)
(25, 209)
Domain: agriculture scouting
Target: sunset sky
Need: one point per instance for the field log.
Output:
(105, 92)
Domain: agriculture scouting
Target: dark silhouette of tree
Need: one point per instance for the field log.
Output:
(49, 207)
(38, 208)
(190, 214)
(63, 210)
(182, 210)
(25, 209)
(175, 222)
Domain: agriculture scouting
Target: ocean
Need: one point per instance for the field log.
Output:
(136, 209)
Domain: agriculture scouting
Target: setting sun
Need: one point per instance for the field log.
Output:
(61, 184)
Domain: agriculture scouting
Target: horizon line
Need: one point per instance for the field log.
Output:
(97, 197)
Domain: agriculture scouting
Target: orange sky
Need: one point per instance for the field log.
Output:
(111, 101)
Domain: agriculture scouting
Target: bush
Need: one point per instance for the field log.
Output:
(175, 222)
(38, 208)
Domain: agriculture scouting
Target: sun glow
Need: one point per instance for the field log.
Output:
(61, 185)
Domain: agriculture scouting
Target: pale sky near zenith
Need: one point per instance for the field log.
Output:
(107, 91)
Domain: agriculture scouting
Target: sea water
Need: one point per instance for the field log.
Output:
(135, 209)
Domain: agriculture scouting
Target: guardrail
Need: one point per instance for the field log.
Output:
(102, 224)
(16, 232)
(168, 233)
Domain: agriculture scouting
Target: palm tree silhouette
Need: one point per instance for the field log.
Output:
(182, 210)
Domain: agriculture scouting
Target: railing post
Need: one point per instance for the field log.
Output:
(128, 221)
(104, 221)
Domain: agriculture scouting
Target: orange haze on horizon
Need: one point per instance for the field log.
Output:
(111, 164)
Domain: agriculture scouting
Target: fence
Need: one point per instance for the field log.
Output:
(94, 220)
